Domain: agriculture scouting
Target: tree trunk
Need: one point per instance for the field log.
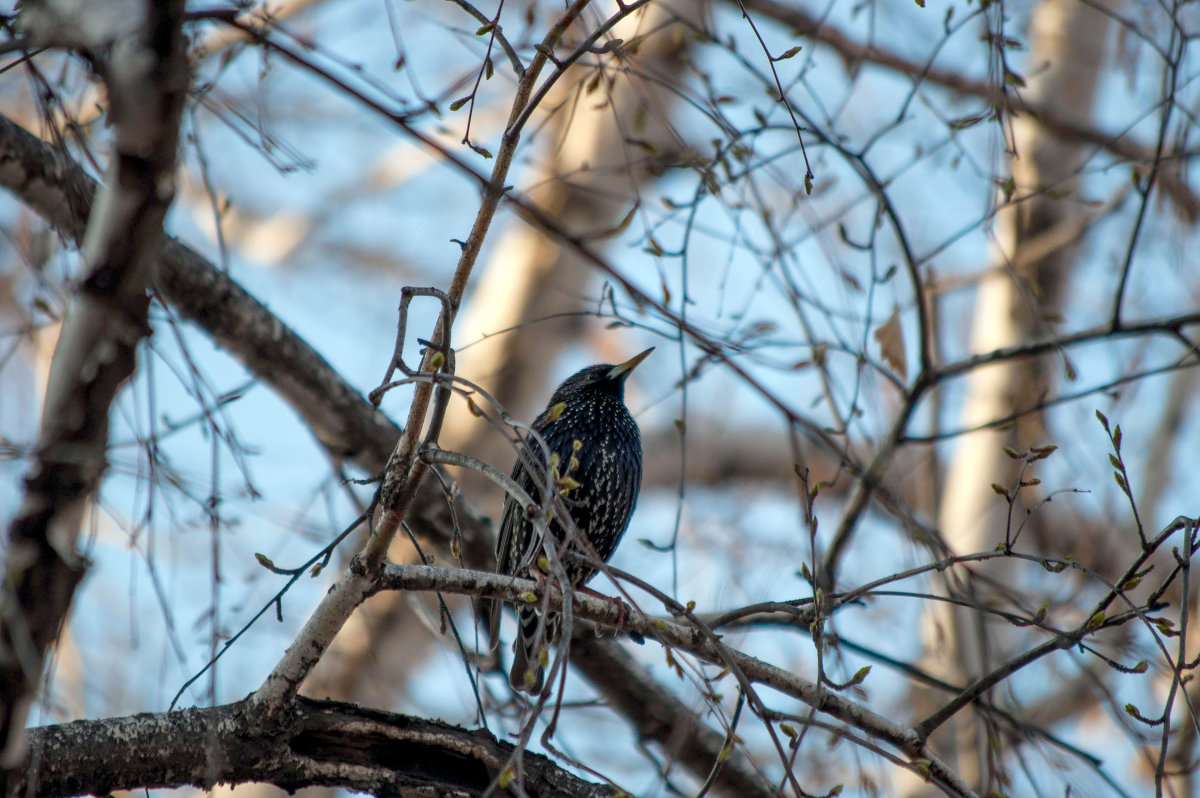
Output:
(1016, 303)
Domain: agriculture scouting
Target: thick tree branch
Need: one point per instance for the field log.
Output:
(54, 186)
(311, 743)
(147, 82)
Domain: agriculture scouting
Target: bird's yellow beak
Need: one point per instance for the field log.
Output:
(621, 370)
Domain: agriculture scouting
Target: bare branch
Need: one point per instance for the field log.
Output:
(683, 636)
(1046, 114)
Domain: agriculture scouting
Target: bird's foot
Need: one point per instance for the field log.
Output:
(623, 611)
(543, 580)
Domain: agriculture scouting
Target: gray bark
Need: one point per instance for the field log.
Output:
(313, 743)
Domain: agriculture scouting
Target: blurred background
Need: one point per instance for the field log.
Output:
(992, 247)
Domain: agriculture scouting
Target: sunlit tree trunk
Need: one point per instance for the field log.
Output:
(1016, 302)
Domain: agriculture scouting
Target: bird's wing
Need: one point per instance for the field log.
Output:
(512, 523)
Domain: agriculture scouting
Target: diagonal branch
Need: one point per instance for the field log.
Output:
(689, 637)
(660, 715)
(52, 184)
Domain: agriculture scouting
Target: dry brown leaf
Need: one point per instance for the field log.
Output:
(891, 343)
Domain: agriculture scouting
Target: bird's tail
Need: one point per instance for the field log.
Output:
(531, 649)
(493, 610)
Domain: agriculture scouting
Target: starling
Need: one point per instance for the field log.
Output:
(596, 465)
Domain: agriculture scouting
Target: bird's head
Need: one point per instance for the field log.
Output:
(604, 377)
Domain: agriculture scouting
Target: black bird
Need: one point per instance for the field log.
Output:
(596, 465)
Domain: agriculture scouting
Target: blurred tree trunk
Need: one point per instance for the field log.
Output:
(534, 291)
(145, 72)
(1018, 301)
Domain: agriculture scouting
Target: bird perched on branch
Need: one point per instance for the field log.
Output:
(595, 465)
